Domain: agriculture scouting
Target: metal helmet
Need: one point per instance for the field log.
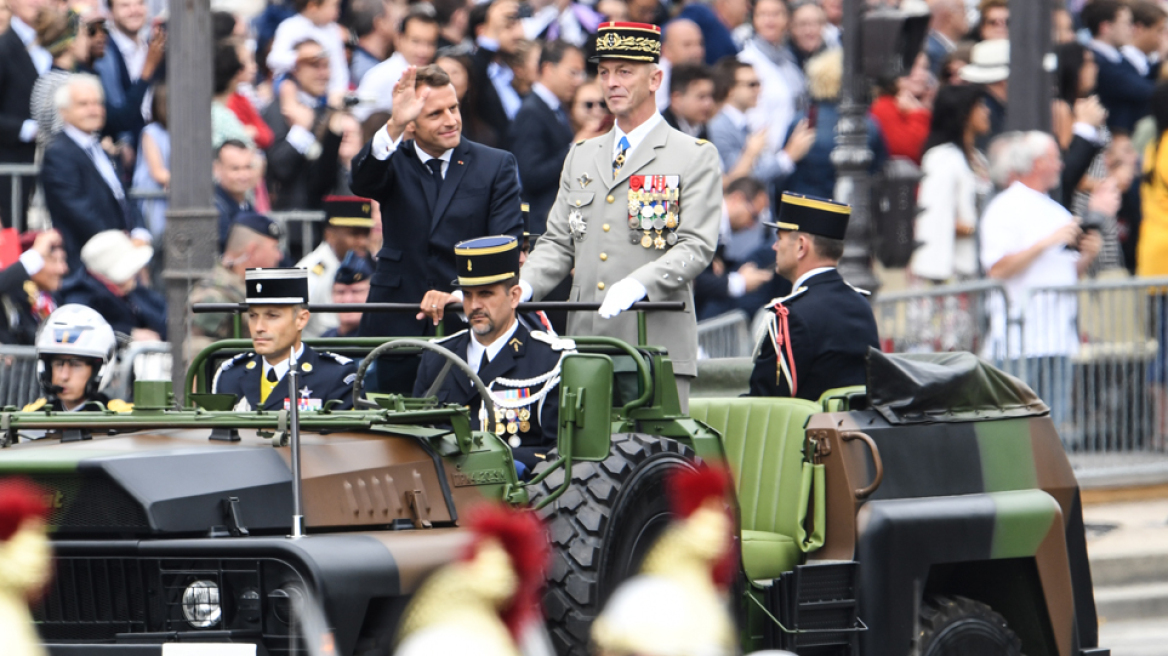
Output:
(79, 331)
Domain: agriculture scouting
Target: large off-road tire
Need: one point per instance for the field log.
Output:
(601, 529)
(958, 626)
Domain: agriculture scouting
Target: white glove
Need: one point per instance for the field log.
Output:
(528, 292)
(621, 296)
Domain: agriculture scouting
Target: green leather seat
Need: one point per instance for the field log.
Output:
(763, 441)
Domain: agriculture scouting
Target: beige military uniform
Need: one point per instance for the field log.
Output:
(224, 286)
(322, 265)
(591, 228)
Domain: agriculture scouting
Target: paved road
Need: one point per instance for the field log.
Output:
(1135, 638)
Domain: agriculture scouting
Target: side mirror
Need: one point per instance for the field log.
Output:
(585, 407)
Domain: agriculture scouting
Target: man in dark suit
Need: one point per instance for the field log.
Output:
(128, 68)
(234, 170)
(822, 330)
(303, 159)
(276, 314)
(83, 190)
(542, 134)
(502, 351)
(1121, 88)
(691, 99)
(435, 190)
(497, 31)
(26, 289)
(18, 74)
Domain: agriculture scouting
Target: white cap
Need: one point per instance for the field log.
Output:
(113, 256)
(989, 62)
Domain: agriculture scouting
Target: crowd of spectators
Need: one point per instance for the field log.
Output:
(300, 87)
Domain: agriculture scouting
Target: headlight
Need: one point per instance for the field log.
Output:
(200, 604)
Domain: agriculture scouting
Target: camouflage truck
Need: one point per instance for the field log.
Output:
(934, 513)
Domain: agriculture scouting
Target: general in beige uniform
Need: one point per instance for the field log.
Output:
(642, 205)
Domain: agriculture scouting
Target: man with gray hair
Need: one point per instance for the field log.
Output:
(1029, 242)
(83, 191)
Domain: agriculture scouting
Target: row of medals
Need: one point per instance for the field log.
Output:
(512, 422)
(652, 211)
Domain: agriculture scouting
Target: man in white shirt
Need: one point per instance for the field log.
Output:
(1030, 242)
(127, 69)
(316, 20)
(416, 44)
(1149, 38)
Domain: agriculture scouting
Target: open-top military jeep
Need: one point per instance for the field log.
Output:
(935, 513)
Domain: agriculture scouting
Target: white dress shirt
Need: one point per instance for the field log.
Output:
(635, 136)
(133, 51)
(1139, 59)
(474, 349)
(807, 276)
(546, 96)
(282, 367)
(383, 147)
(1050, 327)
(375, 92)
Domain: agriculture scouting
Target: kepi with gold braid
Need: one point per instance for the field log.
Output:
(486, 260)
(639, 42)
(349, 211)
(814, 216)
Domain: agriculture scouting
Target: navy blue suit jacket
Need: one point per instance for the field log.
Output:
(123, 97)
(479, 197)
(1123, 91)
(831, 327)
(324, 377)
(80, 202)
(540, 143)
(523, 358)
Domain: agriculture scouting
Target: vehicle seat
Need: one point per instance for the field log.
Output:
(763, 441)
(840, 399)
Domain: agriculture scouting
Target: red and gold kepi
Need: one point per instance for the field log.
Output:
(632, 41)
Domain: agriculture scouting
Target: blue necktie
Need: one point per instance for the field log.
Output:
(620, 157)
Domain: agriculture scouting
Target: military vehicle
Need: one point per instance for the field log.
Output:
(934, 513)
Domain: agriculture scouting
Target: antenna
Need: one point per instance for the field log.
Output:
(294, 398)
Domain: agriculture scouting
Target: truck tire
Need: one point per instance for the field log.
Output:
(601, 529)
(959, 626)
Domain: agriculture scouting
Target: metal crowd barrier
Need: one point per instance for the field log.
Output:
(138, 361)
(18, 376)
(306, 219)
(14, 216)
(725, 336)
(1093, 352)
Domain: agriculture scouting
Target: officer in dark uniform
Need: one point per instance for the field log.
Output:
(818, 336)
(520, 366)
(276, 315)
(351, 285)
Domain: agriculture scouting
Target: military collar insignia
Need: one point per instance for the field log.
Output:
(250, 365)
(584, 180)
(306, 367)
(515, 343)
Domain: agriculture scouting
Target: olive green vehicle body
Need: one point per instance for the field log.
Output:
(145, 502)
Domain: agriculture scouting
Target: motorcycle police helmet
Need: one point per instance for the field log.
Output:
(78, 331)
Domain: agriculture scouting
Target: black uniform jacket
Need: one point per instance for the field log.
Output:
(831, 328)
(323, 377)
(421, 223)
(524, 357)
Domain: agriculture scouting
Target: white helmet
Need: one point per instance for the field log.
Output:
(75, 330)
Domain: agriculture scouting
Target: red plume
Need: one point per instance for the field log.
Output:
(20, 500)
(690, 489)
(525, 540)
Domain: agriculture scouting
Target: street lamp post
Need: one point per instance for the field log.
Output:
(191, 217)
(852, 157)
